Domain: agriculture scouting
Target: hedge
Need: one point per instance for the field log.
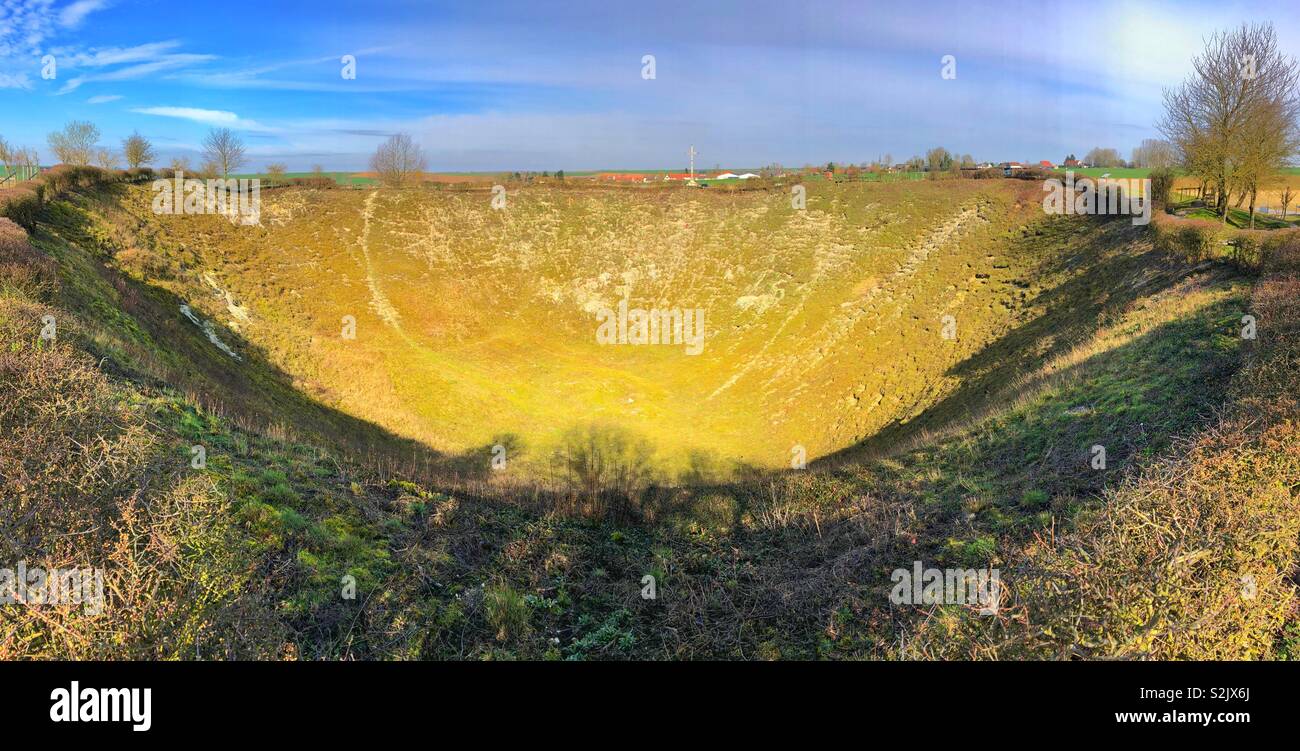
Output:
(23, 204)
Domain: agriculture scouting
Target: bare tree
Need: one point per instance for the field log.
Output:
(29, 159)
(1233, 121)
(1100, 157)
(397, 160)
(180, 164)
(138, 151)
(7, 155)
(1286, 198)
(75, 144)
(106, 158)
(276, 172)
(1154, 153)
(223, 151)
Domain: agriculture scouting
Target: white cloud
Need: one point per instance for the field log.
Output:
(14, 81)
(220, 118)
(99, 57)
(72, 15)
(166, 62)
(24, 25)
(103, 99)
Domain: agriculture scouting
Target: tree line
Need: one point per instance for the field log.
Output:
(397, 161)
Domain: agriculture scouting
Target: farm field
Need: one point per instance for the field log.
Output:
(477, 327)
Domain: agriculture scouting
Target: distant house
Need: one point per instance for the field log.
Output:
(748, 176)
(1010, 168)
(726, 176)
(1046, 164)
(1072, 162)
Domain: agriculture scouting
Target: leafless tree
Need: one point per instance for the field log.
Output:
(397, 160)
(1233, 121)
(1287, 197)
(1154, 153)
(276, 172)
(30, 159)
(106, 158)
(7, 156)
(223, 151)
(1100, 157)
(75, 144)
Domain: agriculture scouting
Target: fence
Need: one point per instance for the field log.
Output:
(13, 175)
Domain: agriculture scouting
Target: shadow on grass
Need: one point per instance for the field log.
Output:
(1111, 270)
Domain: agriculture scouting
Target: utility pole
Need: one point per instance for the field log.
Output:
(692, 180)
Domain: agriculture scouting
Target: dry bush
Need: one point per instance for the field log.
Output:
(86, 481)
(1281, 251)
(65, 178)
(23, 269)
(1192, 240)
(319, 183)
(21, 205)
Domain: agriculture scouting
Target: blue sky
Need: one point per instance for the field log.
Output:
(534, 85)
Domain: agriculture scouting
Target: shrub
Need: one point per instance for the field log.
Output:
(1162, 182)
(21, 205)
(74, 456)
(65, 177)
(1280, 251)
(1247, 249)
(22, 267)
(139, 175)
(1200, 239)
(320, 183)
(1191, 239)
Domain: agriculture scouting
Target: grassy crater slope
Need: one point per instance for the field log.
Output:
(297, 539)
(478, 326)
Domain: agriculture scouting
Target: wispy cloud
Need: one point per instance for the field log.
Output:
(14, 81)
(72, 15)
(220, 118)
(103, 99)
(168, 62)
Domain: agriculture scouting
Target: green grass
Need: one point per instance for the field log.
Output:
(1116, 172)
(1240, 218)
(348, 179)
